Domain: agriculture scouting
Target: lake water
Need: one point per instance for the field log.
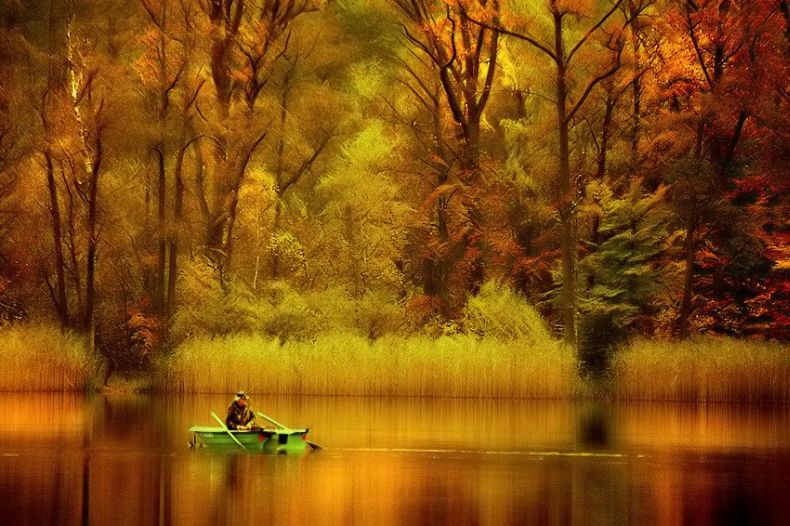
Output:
(123, 459)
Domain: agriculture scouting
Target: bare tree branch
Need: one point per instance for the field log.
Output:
(595, 82)
(592, 30)
(520, 36)
(306, 164)
(691, 26)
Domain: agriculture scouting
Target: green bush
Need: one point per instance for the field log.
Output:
(498, 312)
(206, 307)
(373, 315)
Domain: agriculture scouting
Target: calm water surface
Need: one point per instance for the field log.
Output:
(123, 459)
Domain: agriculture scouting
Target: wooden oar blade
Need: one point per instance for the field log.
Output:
(272, 421)
(286, 428)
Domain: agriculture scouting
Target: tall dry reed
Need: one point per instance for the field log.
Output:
(342, 364)
(42, 358)
(705, 369)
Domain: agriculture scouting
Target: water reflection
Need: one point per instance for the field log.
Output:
(124, 460)
(594, 424)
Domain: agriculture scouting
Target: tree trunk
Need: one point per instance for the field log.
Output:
(230, 223)
(729, 154)
(465, 71)
(149, 277)
(216, 213)
(230, 211)
(636, 86)
(172, 273)
(72, 248)
(474, 237)
(434, 270)
(565, 194)
(275, 259)
(175, 235)
(438, 270)
(278, 173)
(57, 236)
(689, 250)
(90, 272)
(605, 133)
(600, 175)
(225, 20)
(690, 244)
(200, 185)
(161, 273)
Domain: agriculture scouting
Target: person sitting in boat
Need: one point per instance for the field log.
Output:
(240, 417)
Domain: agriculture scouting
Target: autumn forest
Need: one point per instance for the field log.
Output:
(608, 169)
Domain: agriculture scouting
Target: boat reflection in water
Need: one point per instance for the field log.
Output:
(125, 460)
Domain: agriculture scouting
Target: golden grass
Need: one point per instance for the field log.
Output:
(701, 370)
(454, 366)
(41, 358)
(704, 369)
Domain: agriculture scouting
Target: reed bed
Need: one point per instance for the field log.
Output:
(42, 358)
(700, 370)
(452, 366)
(705, 369)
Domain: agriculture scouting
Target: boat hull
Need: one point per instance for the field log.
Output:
(261, 440)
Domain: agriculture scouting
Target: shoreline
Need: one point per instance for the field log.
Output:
(701, 370)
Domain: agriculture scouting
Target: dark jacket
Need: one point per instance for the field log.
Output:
(239, 416)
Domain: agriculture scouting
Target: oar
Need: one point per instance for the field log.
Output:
(272, 420)
(224, 427)
(279, 425)
(313, 445)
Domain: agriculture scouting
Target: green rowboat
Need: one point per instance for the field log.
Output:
(281, 439)
(258, 440)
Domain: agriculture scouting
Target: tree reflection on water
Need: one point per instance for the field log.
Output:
(124, 460)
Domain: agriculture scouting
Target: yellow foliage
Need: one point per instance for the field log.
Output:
(42, 358)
